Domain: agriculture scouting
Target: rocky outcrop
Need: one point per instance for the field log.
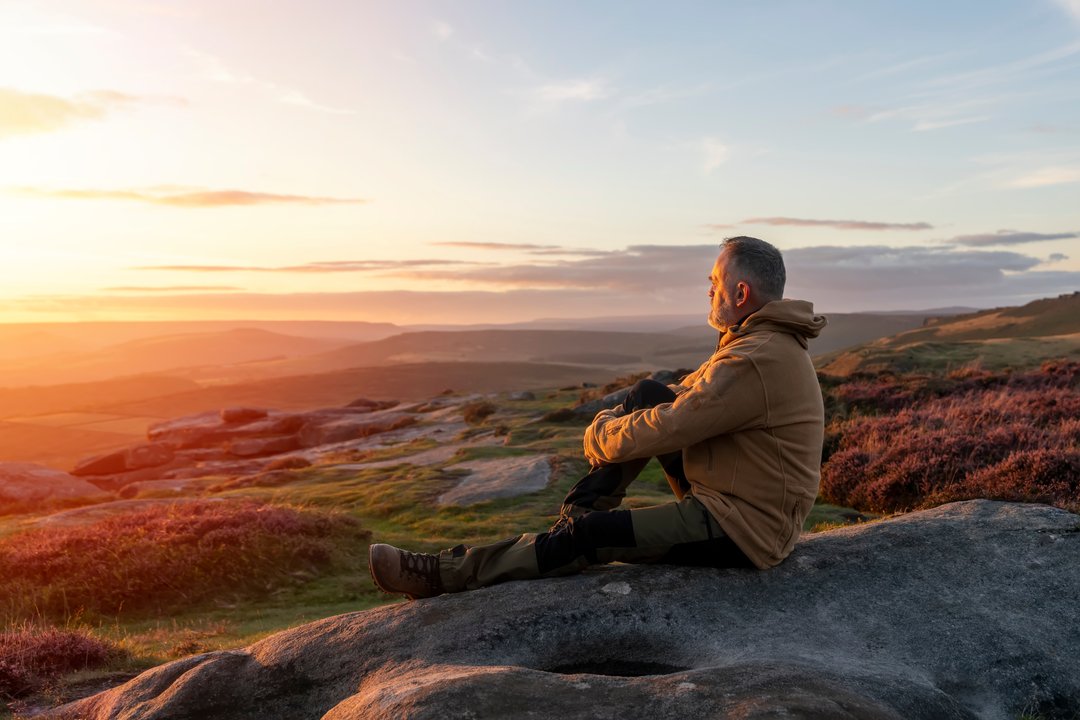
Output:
(494, 478)
(137, 457)
(588, 409)
(964, 611)
(236, 441)
(29, 484)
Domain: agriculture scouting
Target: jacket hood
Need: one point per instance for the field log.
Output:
(795, 317)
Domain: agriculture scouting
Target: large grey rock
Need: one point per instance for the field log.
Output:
(31, 483)
(208, 429)
(965, 611)
(136, 457)
(338, 429)
(498, 478)
(590, 408)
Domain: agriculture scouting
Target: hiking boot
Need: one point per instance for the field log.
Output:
(415, 575)
(567, 514)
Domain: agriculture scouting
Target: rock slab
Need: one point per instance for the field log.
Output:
(498, 478)
(964, 611)
(32, 483)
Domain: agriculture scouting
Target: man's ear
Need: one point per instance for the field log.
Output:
(742, 294)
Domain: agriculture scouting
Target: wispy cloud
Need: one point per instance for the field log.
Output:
(714, 153)
(1007, 237)
(529, 248)
(24, 113)
(171, 288)
(1046, 61)
(938, 113)
(494, 245)
(1071, 8)
(217, 70)
(329, 266)
(190, 199)
(835, 224)
(1047, 176)
(636, 280)
(924, 125)
(578, 90)
(442, 29)
(644, 268)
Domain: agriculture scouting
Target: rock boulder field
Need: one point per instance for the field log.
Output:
(968, 610)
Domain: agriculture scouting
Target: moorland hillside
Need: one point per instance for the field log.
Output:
(1011, 337)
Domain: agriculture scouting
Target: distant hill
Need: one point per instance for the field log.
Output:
(58, 425)
(843, 330)
(613, 352)
(29, 339)
(203, 355)
(1002, 337)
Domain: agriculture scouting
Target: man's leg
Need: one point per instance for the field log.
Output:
(681, 532)
(604, 487)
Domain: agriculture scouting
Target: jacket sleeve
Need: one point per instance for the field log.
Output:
(727, 396)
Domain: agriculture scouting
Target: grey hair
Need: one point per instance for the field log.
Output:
(761, 262)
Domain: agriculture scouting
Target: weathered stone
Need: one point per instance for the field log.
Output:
(364, 403)
(31, 483)
(965, 611)
(107, 464)
(156, 488)
(148, 455)
(498, 478)
(262, 447)
(350, 428)
(240, 415)
(137, 457)
(232, 467)
(207, 429)
(590, 408)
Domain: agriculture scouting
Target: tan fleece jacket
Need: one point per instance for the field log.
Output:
(750, 425)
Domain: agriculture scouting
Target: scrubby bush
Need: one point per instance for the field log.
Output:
(910, 442)
(32, 656)
(475, 412)
(169, 557)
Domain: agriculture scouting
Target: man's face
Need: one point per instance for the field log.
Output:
(724, 295)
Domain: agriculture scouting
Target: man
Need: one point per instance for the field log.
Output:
(739, 440)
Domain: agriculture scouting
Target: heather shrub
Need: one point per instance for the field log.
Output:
(170, 557)
(31, 656)
(1004, 436)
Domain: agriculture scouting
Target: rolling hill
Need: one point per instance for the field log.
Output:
(1002, 337)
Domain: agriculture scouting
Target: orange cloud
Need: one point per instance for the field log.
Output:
(330, 266)
(172, 288)
(24, 113)
(495, 245)
(530, 248)
(191, 199)
(837, 224)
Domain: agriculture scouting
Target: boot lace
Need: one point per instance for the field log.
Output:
(423, 566)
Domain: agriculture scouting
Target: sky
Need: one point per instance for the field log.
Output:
(492, 161)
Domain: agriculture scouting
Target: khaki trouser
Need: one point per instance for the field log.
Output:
(681, 533)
